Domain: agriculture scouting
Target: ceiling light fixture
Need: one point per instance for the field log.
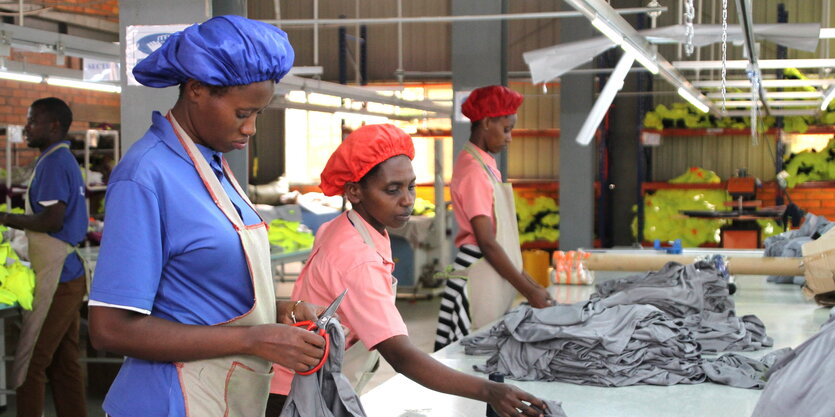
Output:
(827, 97)
(693, 100)
(16, 76)
(604, 100)
(86, 85)
(647, 62)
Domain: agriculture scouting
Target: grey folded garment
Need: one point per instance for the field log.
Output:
(589, 343)
(800, 384)
(326, 393)
(789, 244)
(554, 409)
(697, 294)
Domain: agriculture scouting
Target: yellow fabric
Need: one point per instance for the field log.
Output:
(21, 282)
(289, 235)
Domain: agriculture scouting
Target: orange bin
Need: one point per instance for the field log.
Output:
(536, 263)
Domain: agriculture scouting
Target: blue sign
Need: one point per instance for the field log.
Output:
(150, 43)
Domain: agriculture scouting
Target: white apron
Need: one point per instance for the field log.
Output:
(47, 255)
(233, 386)
(359, 363)
(489, 294)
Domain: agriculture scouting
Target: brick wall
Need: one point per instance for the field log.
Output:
(108, 9)
(816, 197)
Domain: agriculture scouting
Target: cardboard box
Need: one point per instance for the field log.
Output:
(819, 263)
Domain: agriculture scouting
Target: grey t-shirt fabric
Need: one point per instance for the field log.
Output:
(801, 383)
(789, 243)
(590, 343)
(698, 295)
(326, 393)
(554, 409)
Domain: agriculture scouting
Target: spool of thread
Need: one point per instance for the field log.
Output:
(495, 377)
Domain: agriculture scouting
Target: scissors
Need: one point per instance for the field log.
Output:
(319, 326)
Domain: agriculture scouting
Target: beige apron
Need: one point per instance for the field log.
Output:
(47, 255)
(359, 363)
(233, 386)
(489, 294)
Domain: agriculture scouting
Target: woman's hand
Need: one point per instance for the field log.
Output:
(292, 347)
(537, 296)
(291, 312)
(508, 400)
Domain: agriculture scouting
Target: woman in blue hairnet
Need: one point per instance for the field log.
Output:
(183, 285)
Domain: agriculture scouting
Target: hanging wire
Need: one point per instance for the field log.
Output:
(689, 15)
(724, 52)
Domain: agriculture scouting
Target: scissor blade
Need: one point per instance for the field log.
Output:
(330, 311)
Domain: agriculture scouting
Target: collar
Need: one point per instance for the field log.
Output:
(165, 131)
(485, 156)
(56, 144)
(382, 242)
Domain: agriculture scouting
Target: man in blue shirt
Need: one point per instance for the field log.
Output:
(55, 222)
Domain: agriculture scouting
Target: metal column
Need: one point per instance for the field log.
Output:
(577, 162)
(478, 59)
(137, 102)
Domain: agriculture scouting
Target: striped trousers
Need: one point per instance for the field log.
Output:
(454, 317)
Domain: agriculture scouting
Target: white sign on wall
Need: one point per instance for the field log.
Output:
(95, 70)
(458, 99)
(141, 40)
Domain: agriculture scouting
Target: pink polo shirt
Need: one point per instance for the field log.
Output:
(472, 193)
(340, 259)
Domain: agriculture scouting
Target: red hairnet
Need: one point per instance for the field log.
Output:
(361, 151)
(491, 101)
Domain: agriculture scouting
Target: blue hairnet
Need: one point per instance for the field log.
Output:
(222, 51)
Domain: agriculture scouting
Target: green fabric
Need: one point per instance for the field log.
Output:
(290, 236)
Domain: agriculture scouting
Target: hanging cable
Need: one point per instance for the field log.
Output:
(689, 15)
(724, 53)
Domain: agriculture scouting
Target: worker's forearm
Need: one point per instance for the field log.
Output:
(156, 339)
(425, 370)
(28, 222)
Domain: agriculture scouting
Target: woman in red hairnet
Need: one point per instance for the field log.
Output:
(373, 169)
(487, 272)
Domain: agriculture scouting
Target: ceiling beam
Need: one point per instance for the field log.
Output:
(763, 64)
(72, 19)
(37, 40)
(766, 83)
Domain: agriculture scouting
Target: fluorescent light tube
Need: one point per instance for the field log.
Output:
(66, 82)
(827, 97)
(607, 30)
(647, 62)
(604, 100)
(693, 99)
(16, 76)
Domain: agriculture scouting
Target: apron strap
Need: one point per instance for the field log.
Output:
(471, 149)
(360, 226)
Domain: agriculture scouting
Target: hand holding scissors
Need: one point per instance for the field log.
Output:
(319, 326)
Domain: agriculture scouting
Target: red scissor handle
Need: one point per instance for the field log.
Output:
(310, 325)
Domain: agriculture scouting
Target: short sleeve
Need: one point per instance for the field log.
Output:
(368, 309)
(130, 260)
(52, 183)
(475, 195)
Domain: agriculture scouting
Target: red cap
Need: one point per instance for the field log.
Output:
(491, 101)
(361, 151)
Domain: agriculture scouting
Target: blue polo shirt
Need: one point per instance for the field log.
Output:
(169, 251)
(58, 178)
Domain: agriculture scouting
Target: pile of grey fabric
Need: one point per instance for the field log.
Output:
(621, 345)
(789, 244)
(326, 393)
(698, 295)
(800, 384)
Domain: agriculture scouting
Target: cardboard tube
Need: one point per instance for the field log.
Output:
(736, 265)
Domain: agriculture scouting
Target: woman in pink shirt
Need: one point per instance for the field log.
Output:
(488, 268)
(372, 168)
